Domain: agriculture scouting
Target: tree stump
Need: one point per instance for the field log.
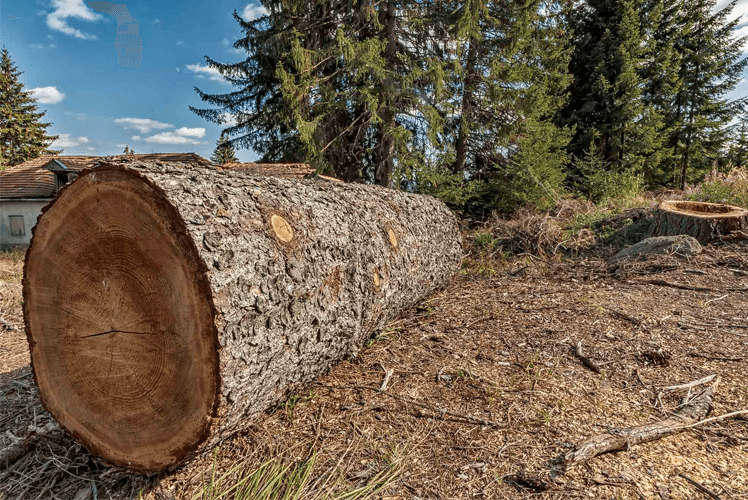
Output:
(165, 304)
(701, 220)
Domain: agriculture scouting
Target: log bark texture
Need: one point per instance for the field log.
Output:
(703, 221)
(166, 303)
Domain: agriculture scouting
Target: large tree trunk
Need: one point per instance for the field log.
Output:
(467, 101)
(386, 146)
(167, 303)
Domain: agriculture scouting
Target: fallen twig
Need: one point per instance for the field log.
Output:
(587, 362)
(625, 316)
(714, 419)
(404, 399)
(387, 375)
(687, 416)
(690, 384)
(700, 487)
(715, 358)
(678, 285)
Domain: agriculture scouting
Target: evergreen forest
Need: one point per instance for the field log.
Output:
(490, 104)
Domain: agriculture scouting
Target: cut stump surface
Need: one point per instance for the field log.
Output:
(704, 221)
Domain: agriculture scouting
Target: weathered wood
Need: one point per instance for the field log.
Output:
(167, 303)
(622, 439)
(704, 221)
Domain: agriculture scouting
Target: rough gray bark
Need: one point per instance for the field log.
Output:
(300, 274)
(703, 221)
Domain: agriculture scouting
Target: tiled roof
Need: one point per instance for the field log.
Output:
(30, 180)
(27, 181)
(288, 170)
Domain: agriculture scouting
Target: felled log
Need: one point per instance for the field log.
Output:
(622, 439)
(703, 221)
(165, 304)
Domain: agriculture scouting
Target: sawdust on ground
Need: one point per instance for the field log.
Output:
(486, 395)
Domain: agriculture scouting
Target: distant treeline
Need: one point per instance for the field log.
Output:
(489, 103)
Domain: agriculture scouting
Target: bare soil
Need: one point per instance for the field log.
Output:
(485, 397)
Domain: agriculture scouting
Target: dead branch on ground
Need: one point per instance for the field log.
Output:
(587, 362)
(622, 439)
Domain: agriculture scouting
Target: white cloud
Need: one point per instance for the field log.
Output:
(36, 46)
(67, 141)
(180, 42)
(177, 69)
(203, 71)
(47, 95)
(198, 132)
(90, 148)
(136, 138)
(52, 45)
(170, 138)
(120, 145)
(142, 125)
(64, 9)
(156, 21)
(252, 12)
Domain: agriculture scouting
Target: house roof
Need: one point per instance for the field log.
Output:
(287, 170)
(30, 180)
(36, 179)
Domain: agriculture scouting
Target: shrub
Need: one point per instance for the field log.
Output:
(730, 188)
(603, 183)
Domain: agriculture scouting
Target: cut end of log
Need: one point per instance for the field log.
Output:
(281, 228)
(393, 238)
(120, 321)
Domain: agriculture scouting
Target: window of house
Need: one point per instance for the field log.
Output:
(16, 225)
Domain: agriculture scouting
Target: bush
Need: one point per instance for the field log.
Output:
(601, 183)
(730, 188)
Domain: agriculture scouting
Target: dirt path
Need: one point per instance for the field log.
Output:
(485, 394)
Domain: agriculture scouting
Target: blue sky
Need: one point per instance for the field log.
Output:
(97, 104)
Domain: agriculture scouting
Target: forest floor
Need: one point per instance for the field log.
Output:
(485, 397)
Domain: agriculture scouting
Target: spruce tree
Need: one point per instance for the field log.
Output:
(710, 67)
(224, 152)
(738, 148)
(509, 84)
(606, 101)
(22, 135)
(344, 86)
(661, 80)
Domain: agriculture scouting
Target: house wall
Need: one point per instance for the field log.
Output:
(29, 209)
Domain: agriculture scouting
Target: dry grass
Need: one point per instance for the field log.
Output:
(485, 397)
(13, 352)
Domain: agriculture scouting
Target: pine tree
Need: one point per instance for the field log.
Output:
(22, 135)
(224, 152)
(661, 80)
(711, 66)
(343, 86)
(511, 75)
(737, 148)
(606, 102)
